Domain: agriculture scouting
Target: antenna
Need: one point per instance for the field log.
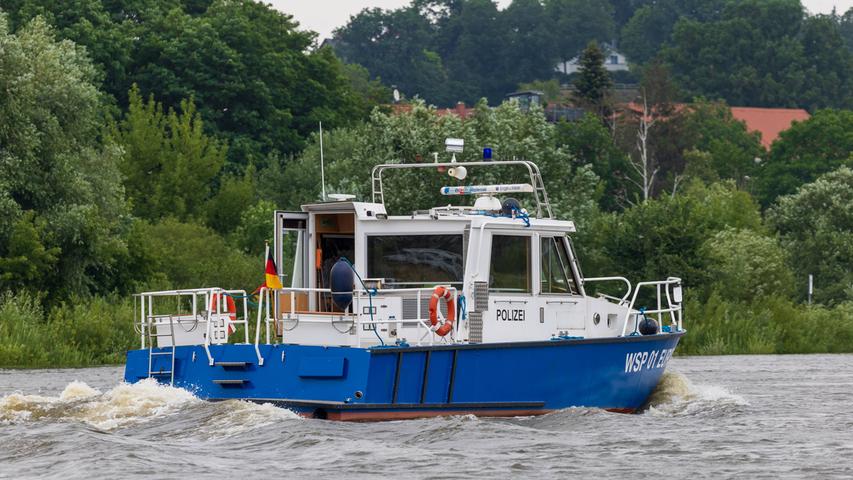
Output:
(322, 167)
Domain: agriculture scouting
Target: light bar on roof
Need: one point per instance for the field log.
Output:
(487, 189)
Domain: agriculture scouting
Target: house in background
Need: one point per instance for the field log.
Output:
(770, 122)
(614, 61)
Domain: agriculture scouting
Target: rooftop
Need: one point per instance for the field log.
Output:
(769, 121)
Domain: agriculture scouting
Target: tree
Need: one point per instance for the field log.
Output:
(398, 47)
(745, 265)
(593, 83)
(664, 237)
(644, 164)
(805, 151)
(770, 53)
(576, 23)
(60, 193)
(651, 25)
(816, 223)
(414, 136)
(169, 163)
(591, 143)
(254, 75)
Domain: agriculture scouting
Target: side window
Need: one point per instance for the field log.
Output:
(555, 273)
(510, 264)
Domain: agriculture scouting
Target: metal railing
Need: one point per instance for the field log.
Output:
(673, 306)
(539, 192)
(606, 279)
(273, 307)
(212, 311)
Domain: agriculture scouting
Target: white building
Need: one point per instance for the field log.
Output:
(614, 61)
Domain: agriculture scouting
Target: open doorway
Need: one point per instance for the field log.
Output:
(335, 239)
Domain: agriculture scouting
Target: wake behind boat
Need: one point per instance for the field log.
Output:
(480, 309)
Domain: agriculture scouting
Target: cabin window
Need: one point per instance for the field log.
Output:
(409, 261)
(510, 264)
(556, 272)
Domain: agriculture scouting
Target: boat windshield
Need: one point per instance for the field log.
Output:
(410, 261)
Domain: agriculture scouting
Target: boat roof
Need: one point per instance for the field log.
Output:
(368, 211)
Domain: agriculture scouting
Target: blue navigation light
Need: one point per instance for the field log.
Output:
(487, 153)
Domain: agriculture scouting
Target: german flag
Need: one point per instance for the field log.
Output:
(271, 273)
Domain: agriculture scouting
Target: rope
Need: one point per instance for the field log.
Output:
(516, 213)
(371, 292)
(240, 297)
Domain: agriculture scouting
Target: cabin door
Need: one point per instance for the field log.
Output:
(561, 309)
(511, 311)
(289, 250)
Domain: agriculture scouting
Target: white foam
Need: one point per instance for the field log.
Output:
(676, 394)
(119, 406)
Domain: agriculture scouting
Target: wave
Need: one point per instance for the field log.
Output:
(675, 394)
(121, 405)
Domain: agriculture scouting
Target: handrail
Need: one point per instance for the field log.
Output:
(378, 195)
(604, 279)
(358, 298)
(147, 309)
(672, 309)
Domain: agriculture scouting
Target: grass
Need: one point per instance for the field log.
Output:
(96, 331)
(770, 325)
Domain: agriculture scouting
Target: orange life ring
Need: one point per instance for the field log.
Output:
(230, 308)
(438, 293)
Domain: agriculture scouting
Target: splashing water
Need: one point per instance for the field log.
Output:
(119, 406)
(676, 395)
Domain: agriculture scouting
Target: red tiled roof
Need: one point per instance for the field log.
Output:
(769, 121)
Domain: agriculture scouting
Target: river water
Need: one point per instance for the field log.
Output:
(711, 417)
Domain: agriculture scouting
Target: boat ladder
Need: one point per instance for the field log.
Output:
(153, 336)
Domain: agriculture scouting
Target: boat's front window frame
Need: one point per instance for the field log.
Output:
(372, 273)
(564, 260)
(528, 268)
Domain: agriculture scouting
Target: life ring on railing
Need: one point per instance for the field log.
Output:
(230, 308)
(438, 293)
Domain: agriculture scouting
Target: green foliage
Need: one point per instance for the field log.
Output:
(413, 137)
(710, 127)
(575, 23)
(60, 191)
(651, 26)
(235, 195)
(744, 266)
(76, 334)
(589, 142)
(255, 228)
(664, 237)
(805, 151)
(252, 73)
(816, 226)
(169, 161)
(771, 53)
(188, 255)
(27, 261)
(593, 83)
(768, 325)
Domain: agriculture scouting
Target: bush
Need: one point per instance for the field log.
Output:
(767, 325)
(189, 255)
(89, 332)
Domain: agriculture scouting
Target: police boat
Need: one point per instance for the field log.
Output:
(479, 309)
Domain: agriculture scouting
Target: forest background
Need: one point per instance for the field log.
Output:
(144, 144)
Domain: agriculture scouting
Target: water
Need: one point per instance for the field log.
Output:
(711, 417)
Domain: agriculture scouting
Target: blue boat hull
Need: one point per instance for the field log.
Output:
(498, 379)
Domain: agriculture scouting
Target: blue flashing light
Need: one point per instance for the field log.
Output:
(487, 153)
